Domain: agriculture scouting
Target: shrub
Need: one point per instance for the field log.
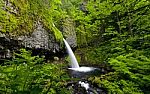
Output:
(29, 74)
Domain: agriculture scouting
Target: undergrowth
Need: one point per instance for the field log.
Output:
(27, 74)
(129, 59)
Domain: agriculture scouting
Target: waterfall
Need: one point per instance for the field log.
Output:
(74, 62)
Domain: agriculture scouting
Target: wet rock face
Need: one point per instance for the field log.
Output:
(40, 39)
(43, 39)
(69, 32)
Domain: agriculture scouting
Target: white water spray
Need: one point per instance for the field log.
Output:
(74, 62)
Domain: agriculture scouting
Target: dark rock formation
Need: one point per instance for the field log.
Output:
(7, 46)
(41, 40)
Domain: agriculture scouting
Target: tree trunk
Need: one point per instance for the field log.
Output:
(129, 24)
(118, 22)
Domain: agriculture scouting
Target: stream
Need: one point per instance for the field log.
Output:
(82, 73)
(81, 85)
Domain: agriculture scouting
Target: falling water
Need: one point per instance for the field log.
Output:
(78, 72)
(74, 62)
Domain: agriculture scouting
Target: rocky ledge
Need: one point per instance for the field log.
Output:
(40, 39)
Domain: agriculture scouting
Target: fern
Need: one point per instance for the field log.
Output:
(29, 74)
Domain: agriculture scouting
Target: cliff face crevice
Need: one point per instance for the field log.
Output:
(7, 46)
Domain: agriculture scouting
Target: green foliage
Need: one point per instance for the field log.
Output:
(133, 66)
(98, 19)
(57, 33)
(118, 29)
(118, 86)
(19, 17)
(129, 58)
(29, 74)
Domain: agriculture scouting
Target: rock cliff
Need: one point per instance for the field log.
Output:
(40, 38)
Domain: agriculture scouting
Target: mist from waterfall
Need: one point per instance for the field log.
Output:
(74, 62)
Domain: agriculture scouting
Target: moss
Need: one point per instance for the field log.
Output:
(18, 17)
(57, 33)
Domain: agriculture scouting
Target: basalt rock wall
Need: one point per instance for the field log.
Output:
(40, 40)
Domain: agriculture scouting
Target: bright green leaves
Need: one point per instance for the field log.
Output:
(29, 74)
(111, 17)
(20, 16)
(133, 66)
(3, 17)
(142, 3)
(120, 28)
(53, 14)
(20, 5)
(119, 66)
(115, 86)
(130, 76)
(129, 59)
(15, 18)
(105, 8)
(57, 1)
(57, 33)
